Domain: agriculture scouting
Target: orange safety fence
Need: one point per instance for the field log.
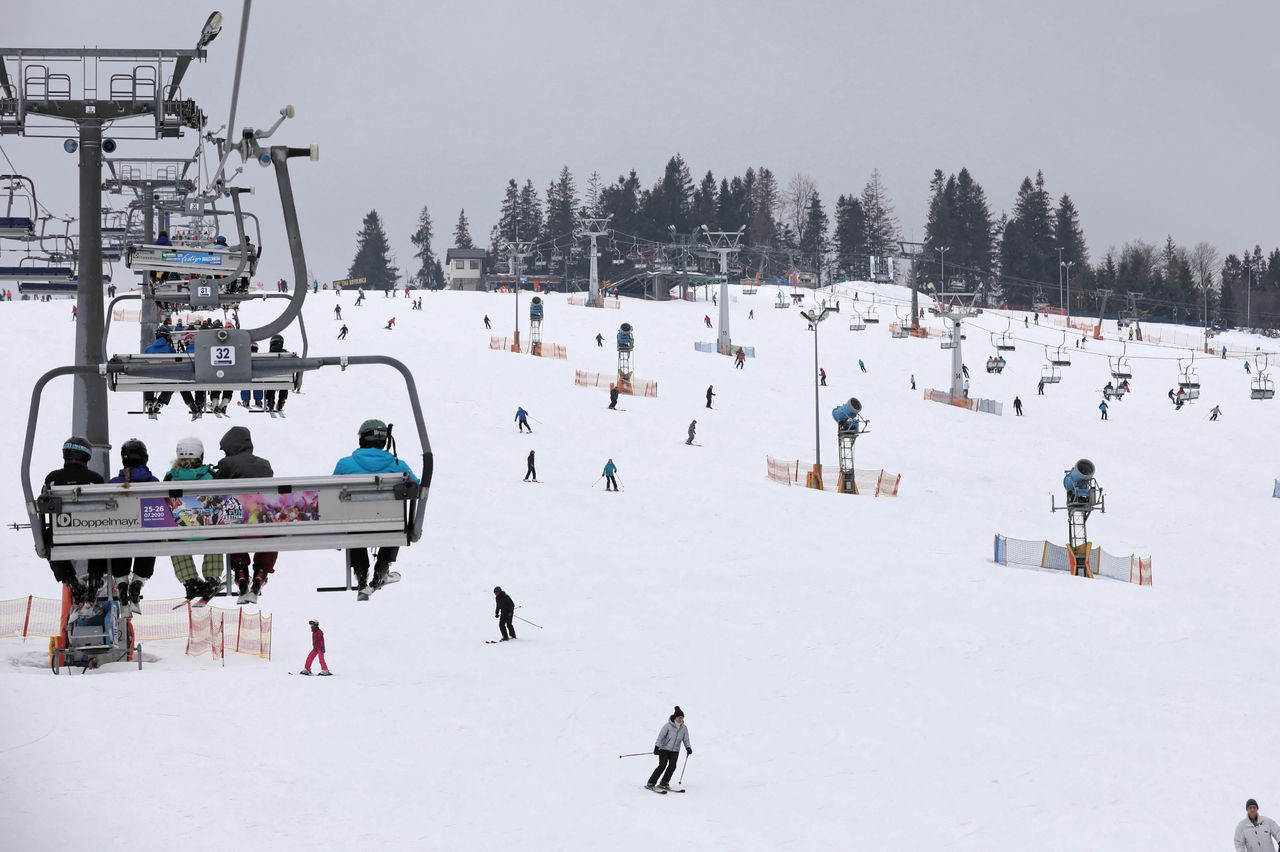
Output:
(794, 472)
(547, 350)
(580, 299)
(1046, 554)
(639, 387)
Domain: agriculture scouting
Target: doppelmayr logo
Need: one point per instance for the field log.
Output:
(66, 520)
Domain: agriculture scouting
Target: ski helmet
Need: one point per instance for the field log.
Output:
(76, 449)
(277, 343)
(133, 453)
(190, 448)
(373, 433)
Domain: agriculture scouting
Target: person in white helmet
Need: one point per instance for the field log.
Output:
(189, 466)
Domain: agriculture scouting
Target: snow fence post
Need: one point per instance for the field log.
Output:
(26, 619)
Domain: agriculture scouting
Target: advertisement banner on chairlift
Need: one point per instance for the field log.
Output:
(226, 510)
(192, 258)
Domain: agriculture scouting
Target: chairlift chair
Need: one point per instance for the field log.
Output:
(1120, 369)
(871, 316)
(1262, 387)
(30, 271)
(19, 223)
(1190, 377)
(1059, 357)
(857, 323)
(1049, 374)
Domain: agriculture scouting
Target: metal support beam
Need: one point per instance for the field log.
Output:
(89, 395)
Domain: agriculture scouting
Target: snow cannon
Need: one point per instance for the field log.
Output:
(535, 308)
(626, 342)
(1078, 481)
(846, 415)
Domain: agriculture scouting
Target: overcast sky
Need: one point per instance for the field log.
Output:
(1157, 117)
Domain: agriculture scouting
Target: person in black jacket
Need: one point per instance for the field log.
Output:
(532, 472)
(613, 397)
(504, 610)
(239, 462)
(76, 454)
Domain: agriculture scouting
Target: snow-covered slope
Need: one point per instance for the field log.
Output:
(857, 673)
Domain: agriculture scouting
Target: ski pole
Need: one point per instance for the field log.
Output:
(527, 621)
(597, 482)
(688, 757)
(637, 754)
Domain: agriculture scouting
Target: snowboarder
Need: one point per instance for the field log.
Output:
(610, 483)
(1102, 406)
(822, 377)
(342, 332)
(337, 312)
(862, 366)
(522, 420)
(76, 455)
(133, 458)
(391, 323)
(239, 462)
(1256, 833)
(317, 650)
(667, 748)
(504, 609)
(1017, 406)
(613, 396)
(486, 321)
(532, 471)
(1215, 413)
(599, 339)
(710, 395)
(188, 465)
(693, 427)
(373, 457)
(740, 359)
(1180, 400)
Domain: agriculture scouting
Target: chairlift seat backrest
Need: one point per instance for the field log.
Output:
(34, 274)
(17, 226)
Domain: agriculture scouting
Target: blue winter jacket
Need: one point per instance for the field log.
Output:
(136, 474)
(159, 346)
(372, 460)
(521, 414)
(610, 469)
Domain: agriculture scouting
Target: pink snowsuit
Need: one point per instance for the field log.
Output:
(317, 649)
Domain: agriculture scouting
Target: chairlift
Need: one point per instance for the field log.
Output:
(557, 256)
(1189, 379)
(539, 262)
(857, 323)
(899, 329)
(19, 223)
(1059, 357)
(871, 315)
(1039, 302)
(1049, 374)
(1004, 342)
(29, 270)
(1120, 369)
(1262, 387)
(995, 364)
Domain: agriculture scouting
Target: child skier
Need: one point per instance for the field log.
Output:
(188, 466)
(133, 457)
(667, 748)
(317, 650)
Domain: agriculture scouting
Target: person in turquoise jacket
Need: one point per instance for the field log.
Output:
(188, 466)
(610, 469)
(373, 457)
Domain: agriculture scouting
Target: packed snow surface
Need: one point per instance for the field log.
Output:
(857, 672)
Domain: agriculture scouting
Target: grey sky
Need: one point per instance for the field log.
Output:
(1155, 116)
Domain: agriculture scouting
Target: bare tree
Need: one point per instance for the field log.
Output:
(1205, 262)
(795, 203)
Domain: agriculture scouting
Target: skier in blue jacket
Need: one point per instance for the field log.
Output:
(522, 420)
(610, 469)
(373, 457)
(133, 457)
(152, 402)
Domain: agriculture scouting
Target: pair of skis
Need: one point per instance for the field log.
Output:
(664, 790)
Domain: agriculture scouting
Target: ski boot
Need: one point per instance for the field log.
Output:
(362, 586)
(306, 672)
(209, 588)
(326, 673)
(384, 576)
(242, 583)
(194, 589)
(122, 595)
(135, 597)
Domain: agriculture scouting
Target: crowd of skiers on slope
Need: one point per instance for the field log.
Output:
(249, 572)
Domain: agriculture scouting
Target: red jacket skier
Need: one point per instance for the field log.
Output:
(317, 650)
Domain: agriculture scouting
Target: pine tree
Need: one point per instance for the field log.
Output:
(851, 237)
(882, 226)
(973, 230)
(508, 217)
(591, 203)
(530, 218)
(371, 261)
(1068, 236)
(429, 273)
(939, 226)
(762, 230)
(704, 208)
(621, 200)
(813, 240)
(733, 206)
(462, 231)
(1031, 255)
(562, 201)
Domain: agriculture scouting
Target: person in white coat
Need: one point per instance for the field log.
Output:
(1256, 833)
(667, 748)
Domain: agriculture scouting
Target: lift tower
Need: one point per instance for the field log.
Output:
(139, 94)
(957, 311)
(1084, 494)
(594, 227)
(724, 243)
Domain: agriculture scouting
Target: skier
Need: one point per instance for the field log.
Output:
(1040, 387)
(710, 394)
(342, 332)
(373, 457)
(599, 339)
(751, 314)
(1180, 400)
(1017, 406)
(1171, 397)
(360, 297)
(1037, 317)
(133, 458)
(667, 748)
(707, 321)
(740, 359)
(486, 321)
(822, 377)
(239, 462)
(188, 465)
(693, 427)
(504, 609)
(274, 400)
(613, 396)
(391, 323)
(1107, 390)
(1246, 368)
(1256, 833)
(522, 420)
(963, 367)
(862, 366)
(75, 471)
(317, 650)
(1215, 413)
(337, 312)
(610, 484)
(406, 291)
(531, 472)
(913, 381)
(1102, 406)
(1026, 322)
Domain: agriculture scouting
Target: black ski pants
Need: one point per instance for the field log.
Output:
(666, 766)
(504, 624)
(531, 473)
(610, 484)
(359, 558)
(143, 566)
